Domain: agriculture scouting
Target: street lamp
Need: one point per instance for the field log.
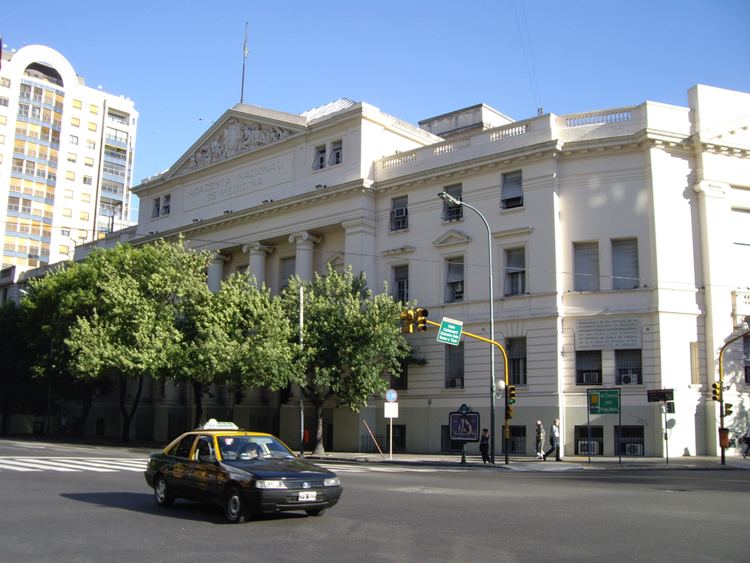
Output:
(450, 200)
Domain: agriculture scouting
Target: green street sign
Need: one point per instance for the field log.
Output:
(450, 331)
(604, 401)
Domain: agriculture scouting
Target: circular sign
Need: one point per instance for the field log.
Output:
(391, 395)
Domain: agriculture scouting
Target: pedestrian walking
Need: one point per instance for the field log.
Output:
(746, 440)
(539, 439)
(484, 446)
(554, 440)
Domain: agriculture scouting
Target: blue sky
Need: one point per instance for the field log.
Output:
(181, 61)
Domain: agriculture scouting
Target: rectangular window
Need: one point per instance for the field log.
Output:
(67, 212)
(454, 366)
(629, 440)
(90, 144)
(336, 153)
(88, 161)
(453, 212)
(402, 381)
(515, 271)
(77, 104)
(746, 350)
(86, 198)
(84, 215)
(73, 140)
(87, 180)
(512, 190)
(94, 109)
(166, 204)
(92, 126)
(65, 231)
(155, 207)
(72, 157)
(586, 266)
(399, 213)
(588, 367)
(75, 121)
(516, 350)
(454, 280)
(401, 283)
(319, 162)
(586, 444)
(628, 367)
(70, 175)
(68, 193)
(287, 268)
(625, 263)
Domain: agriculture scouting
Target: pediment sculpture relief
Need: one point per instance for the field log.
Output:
(236, 138)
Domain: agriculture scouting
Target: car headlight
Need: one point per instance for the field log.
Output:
(270, 484)
(331, 482)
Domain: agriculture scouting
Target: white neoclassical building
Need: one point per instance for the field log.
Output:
(66, 159)
(620, 241)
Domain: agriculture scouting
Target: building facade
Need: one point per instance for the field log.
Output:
(619, 244)
(66, 159)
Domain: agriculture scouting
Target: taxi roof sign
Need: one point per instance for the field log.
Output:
(213, 424)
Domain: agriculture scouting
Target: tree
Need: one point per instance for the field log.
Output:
(351, 338)
(135, 326)
(15, 381)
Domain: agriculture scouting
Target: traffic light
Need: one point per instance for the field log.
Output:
(422, 319)
(511, 394)
(727, 409)
(407, 321)
(716, 390)
(508, 413)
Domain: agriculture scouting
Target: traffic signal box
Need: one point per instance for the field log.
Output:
(511, 394)
(716, 391)
(508, 412)
(727, 409)
(407, 321)
(421, 315)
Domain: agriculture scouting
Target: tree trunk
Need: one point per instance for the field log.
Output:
(6, 406)
(198, 401)
(319, 449)
(85, 410)
(127, 415)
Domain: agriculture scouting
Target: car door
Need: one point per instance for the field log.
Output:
(179, 465)
(205, 472)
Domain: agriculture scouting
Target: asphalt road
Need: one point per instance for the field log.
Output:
(78, 503)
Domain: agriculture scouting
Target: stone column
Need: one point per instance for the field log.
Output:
(359, 249)
(257, 266)
(216, 271)
(303, 259)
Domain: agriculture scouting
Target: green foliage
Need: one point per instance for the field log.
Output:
(352, 338)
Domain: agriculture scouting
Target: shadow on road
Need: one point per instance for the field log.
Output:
(182, 509)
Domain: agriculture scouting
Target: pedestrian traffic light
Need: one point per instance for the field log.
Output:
(511, 394)
(727, 409)
(508, 413)
(421, 315)
(716, 391)
(407, 321)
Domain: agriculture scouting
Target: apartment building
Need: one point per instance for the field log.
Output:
(66, 159)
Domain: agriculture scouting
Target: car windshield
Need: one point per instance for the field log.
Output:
(252, 447)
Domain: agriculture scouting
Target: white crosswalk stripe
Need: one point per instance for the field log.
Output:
(373, 468)
(72, 464)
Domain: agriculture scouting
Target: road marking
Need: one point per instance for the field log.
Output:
(76, 464)
(347, 468)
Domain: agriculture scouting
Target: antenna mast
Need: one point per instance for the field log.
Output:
(244, 58)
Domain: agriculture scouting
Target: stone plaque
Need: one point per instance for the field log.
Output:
(608, 334)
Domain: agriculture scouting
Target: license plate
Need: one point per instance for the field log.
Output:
(307, 495)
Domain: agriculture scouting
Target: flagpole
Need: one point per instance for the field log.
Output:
(244, 58)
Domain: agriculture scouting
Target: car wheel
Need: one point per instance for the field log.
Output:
(162, 494)
(234, 506)
(315, 511)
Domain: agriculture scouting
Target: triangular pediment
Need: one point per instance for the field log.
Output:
(451, 238)
(237, 132)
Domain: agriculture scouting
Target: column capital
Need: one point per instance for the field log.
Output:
(219, 257)
(304, 236)
(257, 248)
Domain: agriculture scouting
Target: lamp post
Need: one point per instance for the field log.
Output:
(450, 200)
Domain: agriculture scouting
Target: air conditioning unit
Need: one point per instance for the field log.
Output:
(583, 447)
(633, 449)
(629, 377)
(590, 377)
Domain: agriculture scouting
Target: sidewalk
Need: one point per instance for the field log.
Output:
(527, 463)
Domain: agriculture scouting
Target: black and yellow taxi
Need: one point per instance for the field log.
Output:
(248, 473)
